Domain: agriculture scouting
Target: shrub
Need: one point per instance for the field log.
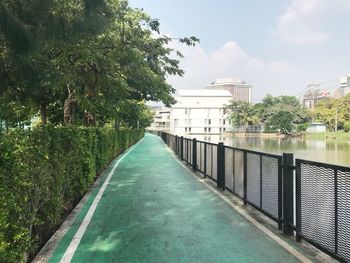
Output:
(302, 127)
(347, 126)
(43, 174)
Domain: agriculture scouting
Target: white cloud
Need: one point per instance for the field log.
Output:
(300, 23)
(231, 61)
(304, 21)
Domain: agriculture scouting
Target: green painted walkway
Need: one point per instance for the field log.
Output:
(153, 210)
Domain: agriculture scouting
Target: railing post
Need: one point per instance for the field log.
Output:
(182, 148)
(245, 177)
(176, 145)
(194, 154)
(298, 201)
(205, 160)
(288, 191)
(221, 166)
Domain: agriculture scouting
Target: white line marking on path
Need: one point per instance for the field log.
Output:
(241, 211)
(68, 255)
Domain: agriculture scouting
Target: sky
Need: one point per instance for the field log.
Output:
(279, 46)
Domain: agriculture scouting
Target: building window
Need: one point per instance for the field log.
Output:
(209, 121)
(224, 129)
(185, 129)
(189, 129)
(224, 121)
(209, 129)
(187, 111)
(219, 129)
(205, 129)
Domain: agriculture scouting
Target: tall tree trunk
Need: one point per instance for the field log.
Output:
(69, 108)
(43, 114)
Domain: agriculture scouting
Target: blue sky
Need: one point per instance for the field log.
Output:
(278, 45)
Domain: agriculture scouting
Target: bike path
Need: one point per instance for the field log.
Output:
(154, 210)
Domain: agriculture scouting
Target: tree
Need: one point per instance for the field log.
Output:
(279, 114)
(78, 58)
(328, 110)
(133, 114)
(242, 113)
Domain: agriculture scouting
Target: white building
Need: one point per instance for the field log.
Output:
(344, 87)
(200, 112)
(313, 95)
(161, 121)
(317, 127)
(239, 89)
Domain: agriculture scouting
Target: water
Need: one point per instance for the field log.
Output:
(333, 151)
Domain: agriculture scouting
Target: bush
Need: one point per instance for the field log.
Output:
(347, 126)
(43, 174)
(302, 127)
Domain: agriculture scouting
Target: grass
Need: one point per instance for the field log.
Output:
(322, 135)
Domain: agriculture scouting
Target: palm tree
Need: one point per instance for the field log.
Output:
(242, 113)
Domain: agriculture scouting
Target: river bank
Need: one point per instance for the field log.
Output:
(341, 135)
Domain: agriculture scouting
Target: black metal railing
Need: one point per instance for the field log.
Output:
(273, 184)
(323, 207)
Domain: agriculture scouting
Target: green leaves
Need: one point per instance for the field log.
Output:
(242, 113)
(43, 174)
(328, 110)
(277, 114)
(93, 52)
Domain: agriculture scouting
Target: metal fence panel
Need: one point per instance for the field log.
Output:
(343, 214)
(323, 205)
(209, 161)
(215, 162)
(229, 169)
(202, 163)
(317, 205)
(270, 194)
(190, 152)
(253, 178)
(239, 173)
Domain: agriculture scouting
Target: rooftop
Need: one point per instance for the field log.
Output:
(204, 93)
(228, 81)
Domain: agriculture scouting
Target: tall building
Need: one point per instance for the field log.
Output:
(200, 112)
(313, 95)
(240, 90)
(344, 87)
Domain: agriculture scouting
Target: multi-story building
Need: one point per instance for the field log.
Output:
(240, 90)
(200, 112)
(161, 121)
(313, 95)
(344, 87)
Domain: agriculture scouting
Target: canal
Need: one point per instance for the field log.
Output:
(333, 151)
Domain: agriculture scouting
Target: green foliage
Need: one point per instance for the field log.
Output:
(347, 126)
(242, 113)
(132, 114)
(43, 173)
(280, 114)
(277, 114)
(302, 127)
(328, 110)
(72, 61)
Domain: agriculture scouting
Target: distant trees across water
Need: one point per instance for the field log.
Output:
(285, 114)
